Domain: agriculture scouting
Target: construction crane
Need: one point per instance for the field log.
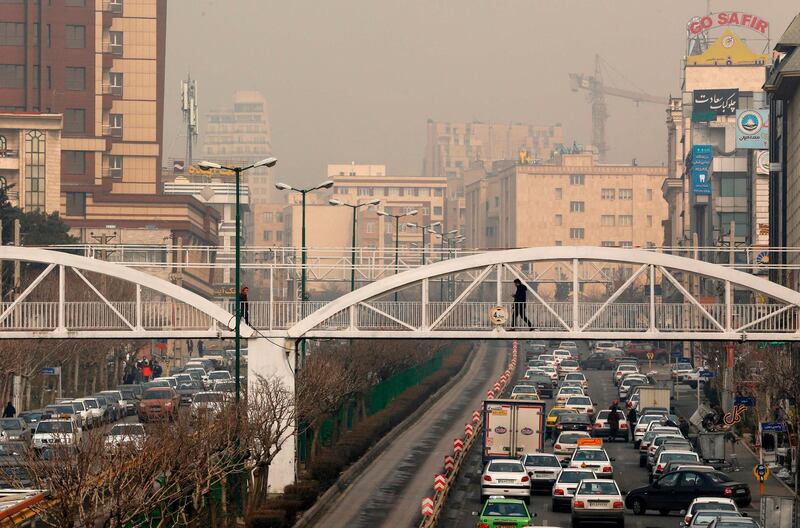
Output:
(597, 96)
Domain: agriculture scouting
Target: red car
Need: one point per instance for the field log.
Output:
(640, 349)
(159, 403)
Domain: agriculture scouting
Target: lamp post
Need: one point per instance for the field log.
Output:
(355, 208)
(397, 237)
(423, 228)
(444, 238)
(267, 162)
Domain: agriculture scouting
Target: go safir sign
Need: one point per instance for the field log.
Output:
(728, 18)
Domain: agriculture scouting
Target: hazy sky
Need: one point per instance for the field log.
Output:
(356, 80)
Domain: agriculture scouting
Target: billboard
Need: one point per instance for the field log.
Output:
(708, 104)
(762, 162)
(752, 129)
(700, 167)
(727, 50)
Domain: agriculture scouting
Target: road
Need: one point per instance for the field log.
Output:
(464, 501)
(389, 492)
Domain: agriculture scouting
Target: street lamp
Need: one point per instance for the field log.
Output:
(424, 228)
(397, 237)
(334, 201)
(445, 238)
(266, 162)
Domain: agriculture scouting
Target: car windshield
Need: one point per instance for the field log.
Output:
(704, 518)
(574, 377)
(573, 418)
(10, 423)
(594, 487)
(579, 400)
(542, 461)
(570, 390)
(593, 455)
(12, 449)
(571, 477)
(717, 506)
(219, 375)
(604, 415)
(744, 523)
(505, 509)
(30, 417)
(129, 395)
(524, 389)
(546, 357)
(569, 438)
(205, 397)
(92, 404)
(506, 467)
(559, 412)
(717, 477)
(682, 457)
(60, 409)
(127, 430)
(78, 406)
(54, 427)
(549, 369)
(569, 363)
(157, 395)
(649, 418)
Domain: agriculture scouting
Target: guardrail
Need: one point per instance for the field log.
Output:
(432, 507)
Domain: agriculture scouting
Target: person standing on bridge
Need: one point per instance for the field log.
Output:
(520, 299)
(244, 304)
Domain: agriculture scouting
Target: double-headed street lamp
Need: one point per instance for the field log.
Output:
(445, 237)
(424, 228)
(355, 208)
(266, 162)
(397, 219)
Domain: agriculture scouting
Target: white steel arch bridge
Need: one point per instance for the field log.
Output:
(652, 298)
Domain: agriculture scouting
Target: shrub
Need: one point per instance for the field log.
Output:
(267, 519)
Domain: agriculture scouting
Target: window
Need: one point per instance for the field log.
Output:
(115, 166)
(576, 233)
(35, 172)
(576, 207)
(742, 223)
(75, 78)
(3, 146)
(577, 179)
(626, 220)
(650, 194)
(74, 120)
(607, 243)
(365, 191)
(651, 245)
(279, 236)
(438, 192)
(36, 77)
(75, 3)
(626, 194)
(115, 83)
(12, 34)
(669, 481)
(625, 244)
(608, 194)
(371, 227)
(437, 211)
(75, 37)
(268, 216)
(558, 193)
(607, 220)
(76, 204)
(559, 219)
(733, 186)
(267, 236)
(279, 216)
(115, 123)
(74, 161)
(559, 243)
(649, 220)
(12, 76)
(115, 40)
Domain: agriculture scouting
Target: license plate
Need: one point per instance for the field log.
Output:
(505, 481)
(505, 525)
(597, 504)
(540, 474)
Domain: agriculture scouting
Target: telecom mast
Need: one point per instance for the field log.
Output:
(189, 108)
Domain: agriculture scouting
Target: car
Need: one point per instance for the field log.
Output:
(107, 406)
(572, 422)
(677, 490)
(708, 503)
(549, 359)
(197, 373)
(187, 390)
(31, 418)
(135, 388)
(601, 428)
(567, 366)
(600, 345)
(566, 443)
(582, 404)
(63, 410)
(14, 429)
(565, 486)
(83, 412)
(169, 379)
(623, 369)
(648, 437)
(668, 444)
(543, 384)
(550, 370)
(229, 387)
(641, 426)
(579, 377)
(61, 431)
(505, 477)
(565, 393)
(159, 403)
(733, 522)
(560, 355)
(543, 469)
(217, 375)
(500, 512)
(598, 500)
(600, 360)
(125, 434)
(594, 458)
(207, 403)
(95, 412)
(629, 382)
(657, 441)
(570, 346)
(704, 517)
(533, 363)
(131, 400)
(671, 456)
(529, 392)
(552, 417)
(120, 405)
(13, 450)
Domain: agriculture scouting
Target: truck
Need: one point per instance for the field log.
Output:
(512, 428)
(653, 397)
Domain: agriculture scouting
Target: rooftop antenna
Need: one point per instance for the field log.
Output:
(189, 109)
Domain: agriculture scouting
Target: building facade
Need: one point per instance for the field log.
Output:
(451, 148)
(100, 64)
(783, 87)
(570, 201)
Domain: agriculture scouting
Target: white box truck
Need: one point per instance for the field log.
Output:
(512, 428)
(650, 397)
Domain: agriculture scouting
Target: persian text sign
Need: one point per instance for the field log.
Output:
(707, 104)
(701, 164)
(752, 129)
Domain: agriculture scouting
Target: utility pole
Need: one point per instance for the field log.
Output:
(17, 243)
(189, 109)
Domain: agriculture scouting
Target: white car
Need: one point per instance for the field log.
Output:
(169, 379)
(543, 469)
(95, 412)
(671, 456)
(56, 431)
(206, 403)
(560, 355)
(84, 412)
(596, 501)
(641, 426)
(524, 392)
(656, 442)
(568, 345)
(529, 373)
(565, 393)
(709, 503)
(123, 434)
(594, 458)
(568, 366)
(644, 443)
(551, 371)
(549, 359)
(565, 486)
(582, 404)
(623, 370)
(577, 376)
(567, 443)
(603, 430)
(630, 381)
(505, 477)
(218, 375)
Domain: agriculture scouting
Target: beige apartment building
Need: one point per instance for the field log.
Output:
(570, 201)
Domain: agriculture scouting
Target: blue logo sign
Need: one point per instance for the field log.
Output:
(48, 371)
(772, 427)
(752, 129)
(701, 163)
(707, 374)
(747, 401)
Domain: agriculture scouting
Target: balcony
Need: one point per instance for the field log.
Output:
(114, 132)
(111, 89)
(112, 6)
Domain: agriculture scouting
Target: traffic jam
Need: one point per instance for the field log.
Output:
(588, 436)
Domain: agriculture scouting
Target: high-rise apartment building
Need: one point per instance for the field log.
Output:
(100, 64)
(451, 148)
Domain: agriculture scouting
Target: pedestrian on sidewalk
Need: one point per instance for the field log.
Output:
(520, 300)
(244, 304)
(632, 416)
(9, 411)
